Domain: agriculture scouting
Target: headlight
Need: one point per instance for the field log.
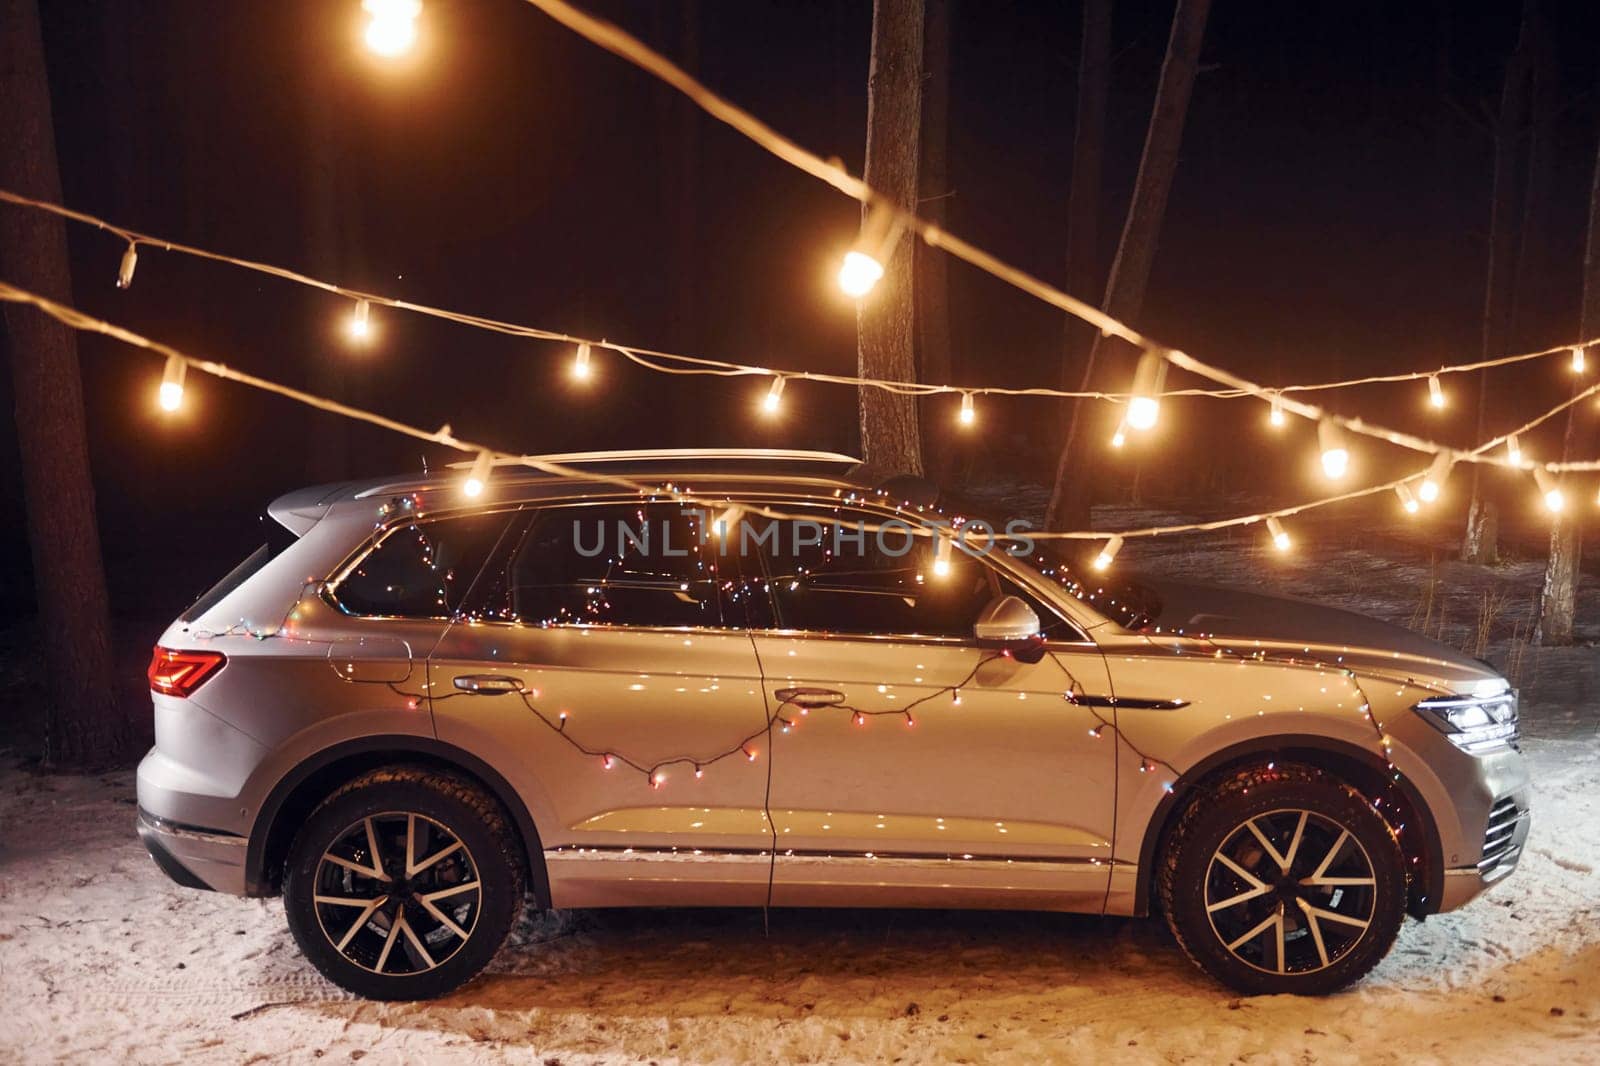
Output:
(1477, 723)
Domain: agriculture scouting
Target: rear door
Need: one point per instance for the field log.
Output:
(918, 768)
(606, 668)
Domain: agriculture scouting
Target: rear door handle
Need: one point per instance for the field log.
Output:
(488, 684)
(810, 697)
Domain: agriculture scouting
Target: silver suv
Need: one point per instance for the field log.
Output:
(412, 708)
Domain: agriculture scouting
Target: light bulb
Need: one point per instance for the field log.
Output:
(1435, 391)
(478, 476)
(1408, 499)
(393, 29)
(360, 321)
(1144, 407)
(859, 274)
(1438, 474)
(1108, 553)
(170, 394)
(1276, 416)
(1280, 537)
(1120, 437)
(1514, 450)
(130, 259)
(1335, 452)
(581, 371)
(1555, 501)
(941, 556)
(968, 414)
(1577, 357)
(769, 403)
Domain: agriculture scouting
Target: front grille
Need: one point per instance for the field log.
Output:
(1499, 846)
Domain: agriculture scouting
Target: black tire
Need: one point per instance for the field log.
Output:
(1302, 954)
(422, 956)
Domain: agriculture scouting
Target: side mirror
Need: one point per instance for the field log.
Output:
(1009, 624)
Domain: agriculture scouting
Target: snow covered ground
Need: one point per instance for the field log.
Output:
(102, 959)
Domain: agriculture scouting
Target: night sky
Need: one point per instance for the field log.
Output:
(1328, 217)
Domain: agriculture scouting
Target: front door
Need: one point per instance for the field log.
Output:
(918, 768)
(606, 666)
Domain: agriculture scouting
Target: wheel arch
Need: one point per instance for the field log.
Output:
(1353, 765)
(300, 790)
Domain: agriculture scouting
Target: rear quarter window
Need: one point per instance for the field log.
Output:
(276, 539)
(421, 569)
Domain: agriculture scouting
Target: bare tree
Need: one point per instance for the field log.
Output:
(1088, 165)
(930, 266)
(1558, 600)
(85, 727)
(885, 320)
(1480, 543)
(1130, 271)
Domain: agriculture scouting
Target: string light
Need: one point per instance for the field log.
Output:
(1435, 392)
(1276, 416)
(393, 28)
(1120, 437)
(360, 324)
(968, 414)
(1438, 473)
(170, 395)
(581, 371)
(478, 476)
(130, 260)
(941, 556)
(1108, 553)
(1335, 449)
(774, 396)
(1408, 499)
(1513, 450)
(1148, 378)
(1577, 358)
(862, 268)
(1555, 501)
(1280, 537)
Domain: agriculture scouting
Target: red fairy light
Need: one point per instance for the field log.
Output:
(607, 762)
(749, 754)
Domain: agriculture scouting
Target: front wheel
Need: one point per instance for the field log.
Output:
(403, 883)
(1285, 880)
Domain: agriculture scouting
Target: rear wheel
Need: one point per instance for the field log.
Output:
(403, 884)
(1285, 880)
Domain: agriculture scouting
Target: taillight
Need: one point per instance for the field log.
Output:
(179, 673)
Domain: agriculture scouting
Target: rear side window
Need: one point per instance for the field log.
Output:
(422, 569)
(276, 538)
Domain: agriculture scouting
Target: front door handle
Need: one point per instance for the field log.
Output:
(810, 697)
(488, 684)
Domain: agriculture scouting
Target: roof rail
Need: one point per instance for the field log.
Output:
(669, 455)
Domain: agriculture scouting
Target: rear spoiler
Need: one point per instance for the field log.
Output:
(301, 509)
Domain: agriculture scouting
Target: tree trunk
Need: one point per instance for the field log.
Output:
(885, 319)
(85, 727)
(1480, 543)
(930, 265)
(1130, 271)
(1083, 199)
(1558, 601)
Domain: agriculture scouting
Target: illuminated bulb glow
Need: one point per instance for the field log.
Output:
(130, 260)
(1408, 499)
(859, 274)
(1335, 452)
(1555, 501)
(941, 556)
(1276, 417)
(968, 414)
(1280, 537)
(581, 370)
(769, 403)
(360, 324)
(393, 29)
(1145, 407)
(1108, 553)
(1577, 357)
(1435, 391)
(170, 395)
(1120, 437)
(1514, 450)
(478, 476)
(1433, 483)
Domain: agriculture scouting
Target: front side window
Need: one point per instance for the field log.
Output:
(623, 564)
(422, 569)
(837, 574)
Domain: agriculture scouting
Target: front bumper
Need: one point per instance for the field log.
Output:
(194, 857)
(1505, 833)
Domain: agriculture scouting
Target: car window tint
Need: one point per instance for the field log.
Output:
(422, 569)
(626, 564)
(825, 578)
